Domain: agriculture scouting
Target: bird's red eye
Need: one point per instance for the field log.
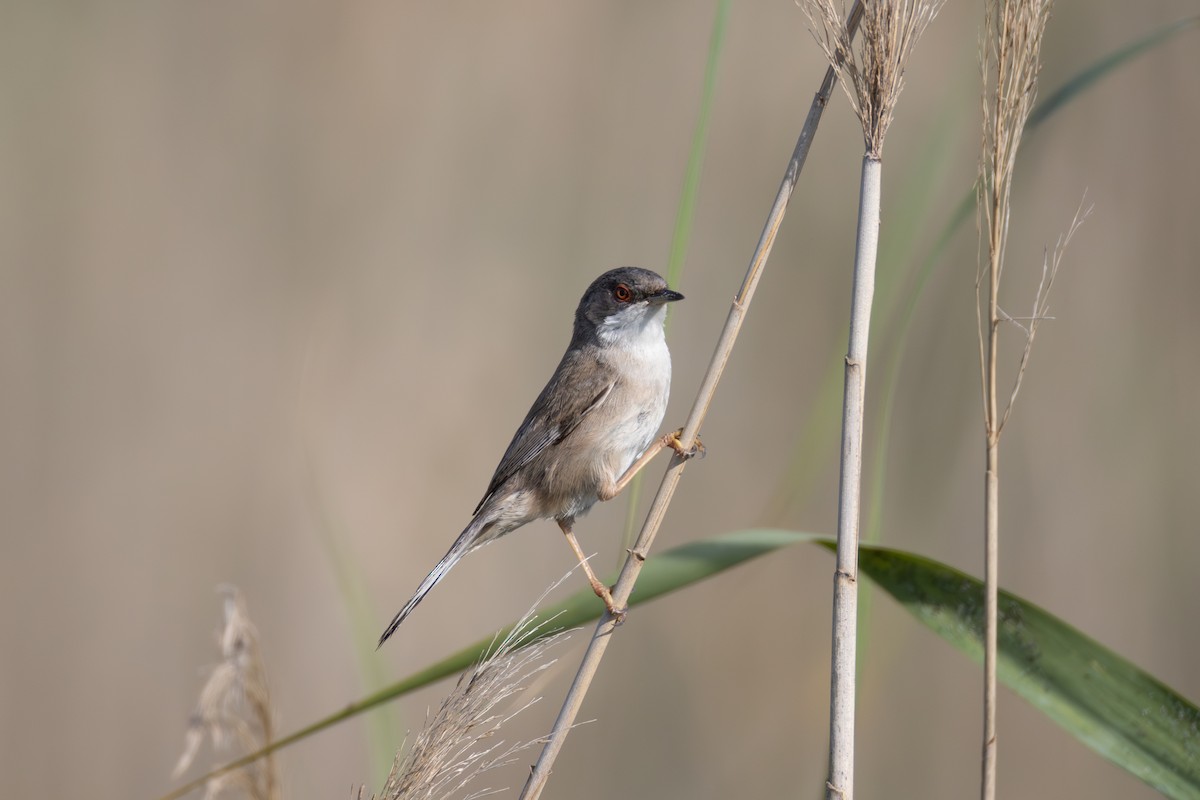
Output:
(623, 293)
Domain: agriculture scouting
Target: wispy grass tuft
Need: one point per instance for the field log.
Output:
(459, 741)
(234, 709)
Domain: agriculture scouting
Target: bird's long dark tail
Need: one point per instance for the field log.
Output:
(467, 541)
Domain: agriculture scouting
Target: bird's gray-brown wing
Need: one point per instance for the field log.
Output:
(579, 386)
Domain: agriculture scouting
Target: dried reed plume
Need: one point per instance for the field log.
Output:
(872, 75)
(1010, 60)
(234, 709)
(459, 742)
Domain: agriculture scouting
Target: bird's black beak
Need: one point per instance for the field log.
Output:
(665, 296)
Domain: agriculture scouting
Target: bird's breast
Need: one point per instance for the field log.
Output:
(611, 437)
(637, 406)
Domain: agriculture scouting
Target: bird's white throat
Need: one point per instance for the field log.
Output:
(638, 329)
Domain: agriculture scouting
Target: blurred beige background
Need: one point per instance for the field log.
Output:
(272, 272)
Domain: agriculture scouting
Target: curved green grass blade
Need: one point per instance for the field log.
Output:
(1084, 80)
(685, 214)
(675, 569)
(383, 725)
(1112, 706)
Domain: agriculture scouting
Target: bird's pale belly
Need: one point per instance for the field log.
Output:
(604, 446)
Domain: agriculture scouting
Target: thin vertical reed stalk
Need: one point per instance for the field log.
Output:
(1010, 60)
(873, 77)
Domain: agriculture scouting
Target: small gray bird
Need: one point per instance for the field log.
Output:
(589, 431)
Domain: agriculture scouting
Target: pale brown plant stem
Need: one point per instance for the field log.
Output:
(733, 322)
(991, 485)
(1010, 60)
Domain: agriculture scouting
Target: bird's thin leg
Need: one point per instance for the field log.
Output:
(598, 587)
(670, 440)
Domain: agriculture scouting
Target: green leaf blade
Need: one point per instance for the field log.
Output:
(1120, 711)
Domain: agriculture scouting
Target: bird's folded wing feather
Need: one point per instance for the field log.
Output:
(580, 385)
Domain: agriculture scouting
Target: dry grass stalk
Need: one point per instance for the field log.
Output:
(458, 742)
(872, 74)
(1010, 61)
(234, 709)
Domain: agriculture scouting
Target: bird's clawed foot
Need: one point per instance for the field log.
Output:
(603, 592)
(672, 441)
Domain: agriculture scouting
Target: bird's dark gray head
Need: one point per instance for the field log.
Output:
(622, 303)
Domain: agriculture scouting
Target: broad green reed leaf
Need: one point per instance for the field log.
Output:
(1121, 712)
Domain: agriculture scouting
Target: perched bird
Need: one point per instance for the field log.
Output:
(589, 431)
